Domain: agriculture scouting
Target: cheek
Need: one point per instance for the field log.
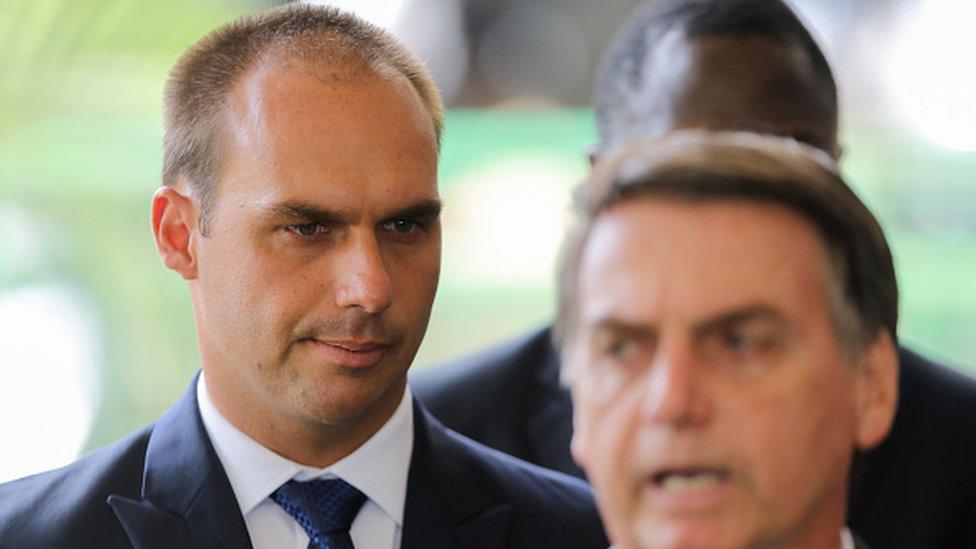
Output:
(247, 290)
(608, 401)
(790, 439)
(415, 276)
(608, 424)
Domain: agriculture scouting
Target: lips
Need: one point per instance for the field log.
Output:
(351, 353)
(689, 489)
(689, 479)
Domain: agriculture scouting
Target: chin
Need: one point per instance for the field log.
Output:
(688, 535)
(343, 400)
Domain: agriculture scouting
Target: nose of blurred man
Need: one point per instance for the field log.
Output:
(675, 396)
(363, 280)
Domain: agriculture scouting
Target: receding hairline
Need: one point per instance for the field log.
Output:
(201, 81)
(334, 73)
(210, 68)
(328, 49)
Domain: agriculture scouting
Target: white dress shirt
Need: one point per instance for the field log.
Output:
(846, 539)
(378, 469)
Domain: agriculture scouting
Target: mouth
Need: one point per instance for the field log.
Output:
(690, 489)
(691, 479)
(351, 353)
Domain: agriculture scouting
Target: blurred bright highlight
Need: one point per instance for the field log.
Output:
(930, 75)
(505, 221)
(49, 381)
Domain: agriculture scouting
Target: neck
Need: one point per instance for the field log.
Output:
(824, 531)
(304, 440)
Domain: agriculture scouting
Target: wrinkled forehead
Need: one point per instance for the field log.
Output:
(660, 257)
(750, 83)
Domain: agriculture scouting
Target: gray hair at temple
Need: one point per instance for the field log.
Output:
(196, 92)
(701, 166)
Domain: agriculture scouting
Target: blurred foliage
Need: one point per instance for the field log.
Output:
(80, 137)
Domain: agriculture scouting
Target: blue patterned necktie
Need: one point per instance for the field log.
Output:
(325, 508)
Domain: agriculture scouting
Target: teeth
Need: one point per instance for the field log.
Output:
(676, 482)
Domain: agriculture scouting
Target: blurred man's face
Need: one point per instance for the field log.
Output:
(749, 83)
(714, 404)
(317, 276)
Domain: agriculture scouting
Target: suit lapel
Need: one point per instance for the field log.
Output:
(187, 500)
(549, 419)
(859, 543)
(444, 506)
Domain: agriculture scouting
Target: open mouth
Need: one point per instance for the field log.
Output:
(688, 480)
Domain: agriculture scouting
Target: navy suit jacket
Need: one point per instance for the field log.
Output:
(164, 487)
(917, 489)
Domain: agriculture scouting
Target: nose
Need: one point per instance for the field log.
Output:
(363, 280)
(675, 393)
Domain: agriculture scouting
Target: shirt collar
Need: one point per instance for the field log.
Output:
(378, 468)
(846, 539)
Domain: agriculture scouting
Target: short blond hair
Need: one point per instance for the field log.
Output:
(200, 81)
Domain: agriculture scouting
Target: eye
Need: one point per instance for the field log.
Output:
(753, 343)
(622, 349)
(402, 226)
(738, 341)
(306, 230)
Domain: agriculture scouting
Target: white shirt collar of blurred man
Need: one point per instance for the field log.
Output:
(846, 540)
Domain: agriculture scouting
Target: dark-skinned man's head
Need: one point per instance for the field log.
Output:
(715, 64)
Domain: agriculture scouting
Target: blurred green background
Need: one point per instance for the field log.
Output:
(97, 338)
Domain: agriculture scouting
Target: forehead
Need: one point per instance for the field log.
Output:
(752, 83)
(670, 258)
(292, 126)
(332, 103)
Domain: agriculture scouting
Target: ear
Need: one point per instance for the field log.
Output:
(174, 224)
(580, 441)
(577, 445)
(877, 391)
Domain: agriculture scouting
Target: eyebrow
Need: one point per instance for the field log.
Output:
(306, 211)
(730, 318)
(427, 209)
(616, 326)
(738, 316)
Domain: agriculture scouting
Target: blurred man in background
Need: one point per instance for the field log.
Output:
(300, 204)
(727, 311)
(730, 65)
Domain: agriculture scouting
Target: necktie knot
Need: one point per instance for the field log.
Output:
(325, 509)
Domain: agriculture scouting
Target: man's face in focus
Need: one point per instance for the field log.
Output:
(749, 83)
(715, 406)
(316, 279)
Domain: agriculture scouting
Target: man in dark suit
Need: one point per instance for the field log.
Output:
(747, 65)
(300, 204)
